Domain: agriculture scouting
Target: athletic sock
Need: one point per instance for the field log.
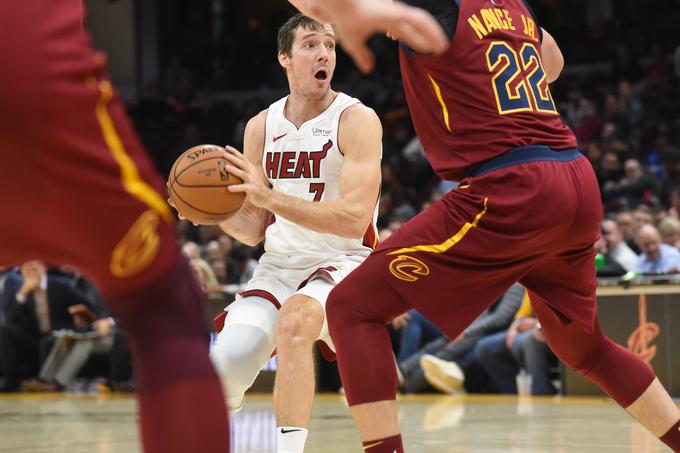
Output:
(291, 439)
(672, 437)
(386, 445)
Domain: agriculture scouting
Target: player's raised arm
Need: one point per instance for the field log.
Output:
(553, 60)
(249, 223)
(360, 135)
(357, 20)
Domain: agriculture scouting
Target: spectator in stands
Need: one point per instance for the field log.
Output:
(110, 339)
(243, 263)
(631, 106)
(626, 224)
(522, 346)
(669, 229)
(204, 274)
(441, 363)
(605, 264)
(610, 169)
(213, 251)
(416, 331)
(219, 268)
(635, 186)
(656, 256)
(617, 248)
(674, 211)
(575, 106)
(191, 250)
(589, 124)
(594, 155)
(616, 123)
(226, 244)
(71, 350)
(643, 215)
(33, 304)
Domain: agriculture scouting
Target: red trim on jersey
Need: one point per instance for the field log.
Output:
(322, 272)
(272, 219)
(370, 237)
(263, 294)
(219, 320)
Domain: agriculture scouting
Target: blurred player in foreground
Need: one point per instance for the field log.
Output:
(78, 188)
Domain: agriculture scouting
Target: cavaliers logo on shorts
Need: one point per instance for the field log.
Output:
(408, 268)
(137, 249)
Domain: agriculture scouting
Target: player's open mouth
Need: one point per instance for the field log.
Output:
(321, 74)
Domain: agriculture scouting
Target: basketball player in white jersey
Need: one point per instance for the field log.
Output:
(311, 172)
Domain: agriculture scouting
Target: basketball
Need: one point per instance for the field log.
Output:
(198, 185)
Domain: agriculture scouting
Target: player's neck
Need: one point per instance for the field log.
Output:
(300, 109)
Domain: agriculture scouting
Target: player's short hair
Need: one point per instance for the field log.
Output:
(286, 34)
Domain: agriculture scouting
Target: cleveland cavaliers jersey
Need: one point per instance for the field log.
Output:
(487, 93)
(306, 163)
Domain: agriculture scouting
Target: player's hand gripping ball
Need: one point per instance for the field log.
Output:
(198, 186)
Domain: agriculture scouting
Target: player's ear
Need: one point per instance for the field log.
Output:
(284, 60)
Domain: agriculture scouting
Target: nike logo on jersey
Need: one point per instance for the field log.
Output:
(279, 137)
(286, 431)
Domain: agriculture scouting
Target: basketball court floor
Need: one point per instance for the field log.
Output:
(55, 423)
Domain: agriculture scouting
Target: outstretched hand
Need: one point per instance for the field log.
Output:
(358, 20)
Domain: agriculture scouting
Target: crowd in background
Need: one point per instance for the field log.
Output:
(620, 95)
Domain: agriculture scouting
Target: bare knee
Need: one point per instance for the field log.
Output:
(300, 322)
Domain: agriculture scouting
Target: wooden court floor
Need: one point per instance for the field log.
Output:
(41, 423)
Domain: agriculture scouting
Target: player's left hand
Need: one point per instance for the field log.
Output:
(179, 214)
(253, 185)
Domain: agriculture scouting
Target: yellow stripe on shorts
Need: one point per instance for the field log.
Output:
(450, 242)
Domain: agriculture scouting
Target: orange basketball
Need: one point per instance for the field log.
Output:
(198, 183)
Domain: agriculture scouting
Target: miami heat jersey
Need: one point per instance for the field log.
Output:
(306, 163)
(487, 93)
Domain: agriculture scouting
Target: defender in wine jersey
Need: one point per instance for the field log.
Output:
(527, 209)
(311, 171)
(78, 188)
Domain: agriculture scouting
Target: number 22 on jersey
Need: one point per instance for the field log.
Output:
(519, 81)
